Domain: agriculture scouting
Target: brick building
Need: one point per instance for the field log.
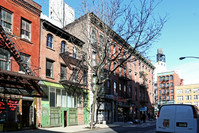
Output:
(19, 63)
(64, 77)
(166, 82)
(130, 88)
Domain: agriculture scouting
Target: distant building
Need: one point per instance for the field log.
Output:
(187, 94)
(61, 13)
(166, 82)
(160, 66)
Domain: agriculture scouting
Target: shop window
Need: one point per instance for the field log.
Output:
(52, 97)
(25, 29)
(58, 97)
(64, 98)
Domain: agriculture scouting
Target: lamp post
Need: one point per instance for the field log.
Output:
(182, 58)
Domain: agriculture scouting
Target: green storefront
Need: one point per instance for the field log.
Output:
(61, 106)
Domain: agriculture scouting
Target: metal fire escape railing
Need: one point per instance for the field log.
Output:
(78, 69)
(5, 39)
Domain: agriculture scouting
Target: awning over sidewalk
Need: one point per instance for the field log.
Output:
(20, 84)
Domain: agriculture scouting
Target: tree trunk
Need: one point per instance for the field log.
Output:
(93, 107)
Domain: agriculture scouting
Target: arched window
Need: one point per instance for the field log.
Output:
(49, 42)
(63, 46)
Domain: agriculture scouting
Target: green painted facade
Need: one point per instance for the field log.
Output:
(55, 116)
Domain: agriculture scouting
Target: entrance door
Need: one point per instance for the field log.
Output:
(26, 113)
(65, 118)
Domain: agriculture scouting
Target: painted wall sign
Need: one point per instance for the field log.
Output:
(12, 104)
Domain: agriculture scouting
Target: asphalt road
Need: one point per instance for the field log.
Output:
(127, 129)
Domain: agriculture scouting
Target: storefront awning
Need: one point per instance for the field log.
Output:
(20, 84)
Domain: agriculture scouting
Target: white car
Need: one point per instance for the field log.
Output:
(177, 118)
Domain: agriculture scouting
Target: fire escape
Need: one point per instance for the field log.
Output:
(78, 68)
(24, 84)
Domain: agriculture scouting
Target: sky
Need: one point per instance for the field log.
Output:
(179, 37)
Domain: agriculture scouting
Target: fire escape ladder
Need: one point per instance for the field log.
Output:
(15, 53)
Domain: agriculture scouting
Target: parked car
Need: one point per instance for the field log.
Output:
(177, 118)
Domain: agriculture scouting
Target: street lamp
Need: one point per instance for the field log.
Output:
(182, 58)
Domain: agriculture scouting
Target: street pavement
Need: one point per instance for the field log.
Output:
(85, 128)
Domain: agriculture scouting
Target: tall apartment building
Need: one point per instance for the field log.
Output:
(187, 94)
(64, 77)
(19, 63)
(127, 91)
(166, 83)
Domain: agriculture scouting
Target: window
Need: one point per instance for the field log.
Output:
(4, 59)
(124, 71)
(115, 88)
(196, 97)
(135, 77)
(179, 98)
(171, 97)
(74, 53)
(75, 75)
(168, 97)
(85, 77)
(167, 78)
(171, 90)
(187, 90)
(49, 68)
(135, 64)
(120, 71)
(58, 97)
(160, 92)
(167, 91)
(129, 73)
(26, 60)
(94, 59)
(49, 41)
(63, 72)
(63, 98)
(160, 98)
(163, 85)
(179, 91)
(63, 46)
(167, 85)
(25, 29)
(171, 77)
(114, 48)
(171, 84)
(52, 97)
(188, 97)
(101, 41)
(196, 90)
(6, 20)
(120, 87)
(164, 92)
(163, 78)
(160, 85)
(93, 38)
(160, 78)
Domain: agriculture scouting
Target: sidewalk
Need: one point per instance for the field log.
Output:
(80, 128)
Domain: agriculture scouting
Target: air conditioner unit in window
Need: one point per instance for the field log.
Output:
(7, 29)
(25, 37)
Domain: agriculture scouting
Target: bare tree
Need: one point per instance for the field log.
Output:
(132, 26)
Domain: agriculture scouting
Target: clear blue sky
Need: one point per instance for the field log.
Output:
(180, 36)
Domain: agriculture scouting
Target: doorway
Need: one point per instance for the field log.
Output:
(65, 118)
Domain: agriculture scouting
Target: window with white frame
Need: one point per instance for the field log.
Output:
(179, 91)
(4, 59)
(26, 29)
(94, 59)
(6, 20)
(63, 46)
(196, 97)
(179, 98)
(64, 98)
(188, 97)
(49, 41)
(196, 90)
(187, 90)
(58, 97)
